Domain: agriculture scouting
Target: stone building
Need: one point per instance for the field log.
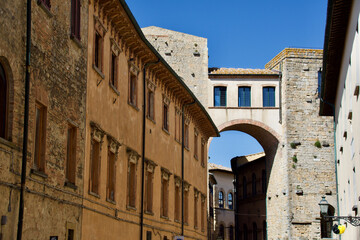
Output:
(56, 137)
(136, 166)
(224, 222)
(250, 206)
(340, 98)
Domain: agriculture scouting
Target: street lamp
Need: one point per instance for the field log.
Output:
(324, 206)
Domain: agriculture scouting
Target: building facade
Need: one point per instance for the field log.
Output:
(136, 166)
(224, 221)
(250, 185)
(340, 99)
(54, 164)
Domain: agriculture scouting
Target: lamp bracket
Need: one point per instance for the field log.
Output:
(355, 221)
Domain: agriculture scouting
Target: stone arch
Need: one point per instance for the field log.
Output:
(8, 98)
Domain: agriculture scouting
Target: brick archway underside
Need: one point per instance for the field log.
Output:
(265, 135)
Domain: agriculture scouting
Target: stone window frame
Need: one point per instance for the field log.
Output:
(8, 96)
(133, 85)
(187, 133)
(71, 154)
(150, 172)
(97, 139)
(203, 154)
(150, 107)
(115, 51)
(196, 203)
(98, 49)
(113, 153)
(186, 202)
(196, 142)
(133, 159)
(177, 198)
(164, 198)
(165, 115)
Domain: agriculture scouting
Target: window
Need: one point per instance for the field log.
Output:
(166, 117)
(221, 233)
(148, 235)
(186, 135)
(244, 96)
(186, 202)
(264, 230)
(133, 90)
(263, 181)
(131, 192)
(40, 137)
(244, 188)
(151, 101)
(254, 231)
(196, 144)
(231, 233)
(98, 45)
(230, 201)
(75, 19)
(269, 97)
(149, 176)
(196, 198)
(177, 198)
(70, 231)
(114, 61)
(203, 213)
(95, 159)
(71, 154)
(203, 152)
(221, 199)
(3, 102)
(110, 186)
(178, 123)
(165, 176)
(245, 232)
(46, 3)
(253, 184)
(219, 96)
(70, 234)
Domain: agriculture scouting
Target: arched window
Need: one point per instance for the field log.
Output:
(245, 232)
(244, 187)
(231, 233)
(263, 181)
(3, 102)
(253, 184)
(254, 231)
(221, 232)
(264, 230)
(230, 200)
(221, 199)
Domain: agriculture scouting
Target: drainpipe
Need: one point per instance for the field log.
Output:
(26, 121)
(143, 148)
(182, 165)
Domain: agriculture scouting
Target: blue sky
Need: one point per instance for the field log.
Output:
(243, 34)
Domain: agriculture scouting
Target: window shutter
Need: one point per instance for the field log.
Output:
(217, 96)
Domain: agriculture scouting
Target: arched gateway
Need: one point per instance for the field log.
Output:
(279, 107)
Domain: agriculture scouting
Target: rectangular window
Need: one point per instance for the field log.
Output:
(131, 184)
(164, 193)
(269, 97)
(219, 96)
(95, 167)
(177, 200)
(113, 70)
(244, 96)
(133, 89)
(196, 144)
(110, 188)
(196, 197)
(71, 154)
(186, 135)
(150, 105)
(202, 213)
(40, 137)
(203, 152)
(149, 175)
(178, 123)
(186, 206)
(165, 117)
(98, 51)
(75, 19)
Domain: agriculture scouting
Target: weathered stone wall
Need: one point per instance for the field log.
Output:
(310, 169)
(186, 54)
(58, 81)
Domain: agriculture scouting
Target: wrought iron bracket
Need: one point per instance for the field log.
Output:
(355, 221)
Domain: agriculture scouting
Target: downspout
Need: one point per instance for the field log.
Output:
(26, 120)
(143, 148)
(182, 165)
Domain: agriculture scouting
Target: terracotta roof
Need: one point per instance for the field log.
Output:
(213, 166)
(242, 160)
(247, 71)
(254, 156)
